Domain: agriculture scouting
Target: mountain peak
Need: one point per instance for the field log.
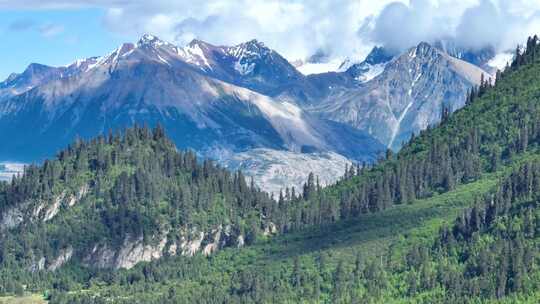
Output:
(150, 40)
(423, 46)
(199, 43)
(255, 42)
(378, 55)
(11, 77)
(422, 49)
(37, 66)
(252, 49)
(253, 45)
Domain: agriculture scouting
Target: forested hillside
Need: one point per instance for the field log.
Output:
(117, 200)
(488, 254)
(452, 218)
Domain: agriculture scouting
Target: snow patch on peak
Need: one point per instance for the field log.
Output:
(194, 54)
(309, 68)
(252, 49)
(148, 39)
(422, 49)
(371, 72)
(412, 53)
(246, 55)
(244, 68)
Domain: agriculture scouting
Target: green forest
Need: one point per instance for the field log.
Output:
(453, 217)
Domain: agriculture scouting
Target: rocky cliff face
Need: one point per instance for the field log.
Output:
(40, 210)
(135, 249)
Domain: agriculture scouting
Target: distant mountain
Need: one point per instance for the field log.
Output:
(183, 89)
(250, 64)
(37, 74)
(371, 67)
(406, 97)
(478, 57)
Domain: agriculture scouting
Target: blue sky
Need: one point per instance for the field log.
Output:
(52, 37)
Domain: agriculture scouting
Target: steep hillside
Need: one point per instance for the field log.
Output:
(425, 252)
(113, 202)
(406, 97)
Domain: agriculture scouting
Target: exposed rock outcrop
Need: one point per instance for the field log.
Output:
(11, 218)
(134, 250)
(39, 209)
(64, 257)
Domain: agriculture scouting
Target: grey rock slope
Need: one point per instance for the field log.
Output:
(406, 97)
(478, 57)
(154, 81)
(274, 170)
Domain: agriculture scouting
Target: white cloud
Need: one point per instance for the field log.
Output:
(51, 30)
(299, 28)
(473, 24)
(294, 28)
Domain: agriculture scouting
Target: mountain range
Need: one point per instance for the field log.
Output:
(221, 100)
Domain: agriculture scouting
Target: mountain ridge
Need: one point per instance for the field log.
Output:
(150, 82)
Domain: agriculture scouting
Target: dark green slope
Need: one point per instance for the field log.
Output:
(398, 232)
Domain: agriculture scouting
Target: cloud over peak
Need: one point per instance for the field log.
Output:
(470, 24)
(301, 28)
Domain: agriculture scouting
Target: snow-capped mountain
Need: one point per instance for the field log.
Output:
(154, 81)
(38, 74)
(406, 97)
(251, 64)
(371, 67)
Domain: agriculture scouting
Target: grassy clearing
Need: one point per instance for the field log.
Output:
(29, 299)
